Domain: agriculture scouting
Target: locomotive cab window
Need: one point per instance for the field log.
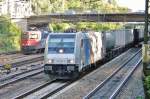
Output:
(33, 36)
(61, 44)
(25, 36)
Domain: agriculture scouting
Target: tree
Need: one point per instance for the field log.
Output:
(102, 6)
(9, 35)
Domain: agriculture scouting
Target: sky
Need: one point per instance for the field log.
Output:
(135, 5)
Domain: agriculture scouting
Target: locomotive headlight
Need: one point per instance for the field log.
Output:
(49, 61)
(61, 50)
(71, 61)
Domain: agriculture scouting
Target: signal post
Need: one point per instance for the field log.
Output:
(146, 45)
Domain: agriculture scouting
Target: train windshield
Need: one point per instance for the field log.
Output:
(25, 36)
(33, 36)
(30, 36)
(61, 44)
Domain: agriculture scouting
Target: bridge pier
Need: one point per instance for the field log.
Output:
(21, 22)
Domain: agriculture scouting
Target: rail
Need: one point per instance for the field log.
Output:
(109, 77)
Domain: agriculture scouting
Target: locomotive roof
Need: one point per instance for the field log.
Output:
(59, 33)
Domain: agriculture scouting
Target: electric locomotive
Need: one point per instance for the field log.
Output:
(33, 40)
(67, 54)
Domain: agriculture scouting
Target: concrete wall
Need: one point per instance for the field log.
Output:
(22, 23)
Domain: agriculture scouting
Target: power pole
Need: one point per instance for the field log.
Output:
(146, 47)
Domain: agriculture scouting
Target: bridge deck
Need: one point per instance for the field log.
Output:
(111, 17)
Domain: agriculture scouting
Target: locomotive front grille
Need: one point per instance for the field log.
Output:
(59, 67)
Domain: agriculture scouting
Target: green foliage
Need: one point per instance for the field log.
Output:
(71, 4)
(84, 25)
(59, 26)
(48, 6)
(139, 97)
(9, 35)
(147, 82)
(147, 86)
(80, 6)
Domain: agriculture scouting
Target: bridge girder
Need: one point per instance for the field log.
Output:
(129, 17)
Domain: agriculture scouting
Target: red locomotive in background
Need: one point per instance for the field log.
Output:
(33, 40)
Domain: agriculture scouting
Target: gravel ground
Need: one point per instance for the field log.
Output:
(133, 89)
(4, 58)
(16, 58)
(22, 86)
(106, 91)
(46, 90)
(83, 86)
(23, 68)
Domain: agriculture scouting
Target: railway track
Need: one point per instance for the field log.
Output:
(45, 90)
(8, 53)
(116, 92)
(21, 70)
(86, 84)
(5, 57)
(110, 87)
(49, 96)
(27, 61)
(11, 55)
(22, 60)
(20, 76)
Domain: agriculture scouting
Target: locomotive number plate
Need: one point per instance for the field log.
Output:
(60, 61)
